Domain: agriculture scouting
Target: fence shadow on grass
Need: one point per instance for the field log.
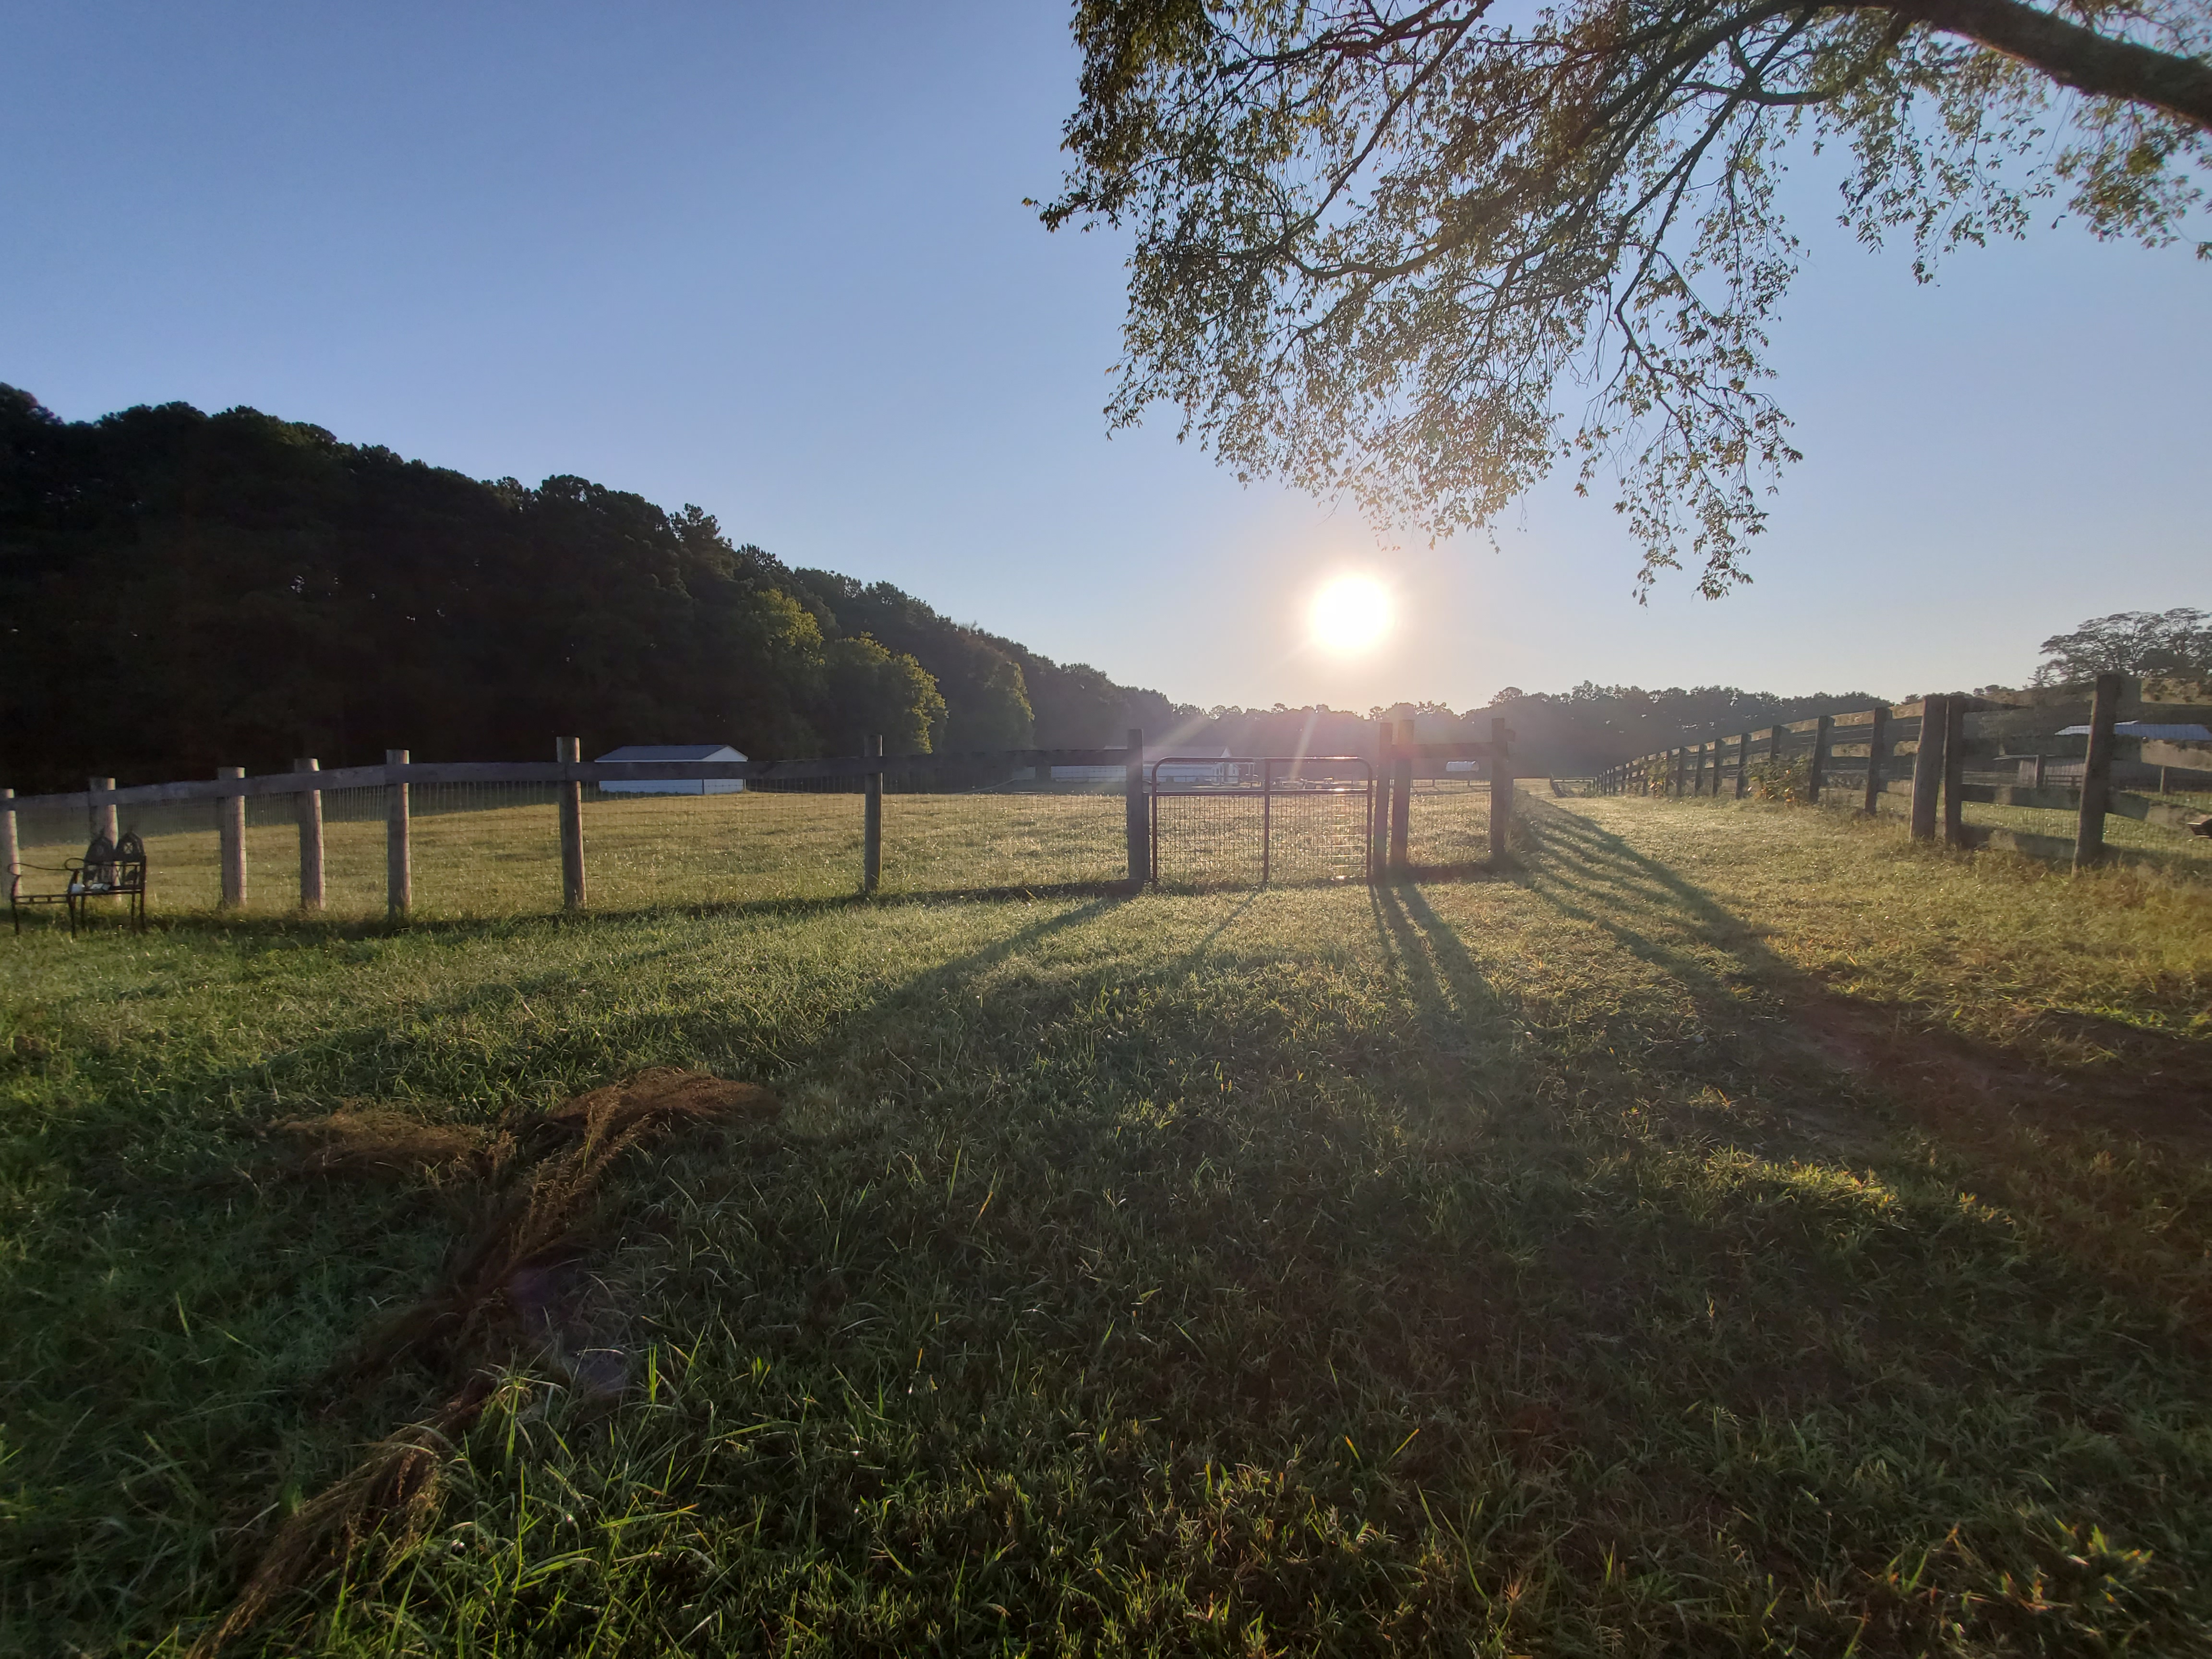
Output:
(293, 925)
(2097, 1154)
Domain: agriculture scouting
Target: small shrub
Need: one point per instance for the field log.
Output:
(1789, 781)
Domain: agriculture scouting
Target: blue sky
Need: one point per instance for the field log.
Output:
(774, 261)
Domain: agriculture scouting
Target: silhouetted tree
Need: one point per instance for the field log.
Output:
(2178, 641)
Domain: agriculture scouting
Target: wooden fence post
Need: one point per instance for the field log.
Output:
(1681, 765)
(1402, 799)
(871, 818)
(1137, 810)
(1928, 766)
(569, 751)
(11, 858)
(2097, 772)
(1877, 757)
(104, 822)
(399, 867)
(1378, 803)
(1742, 765)
(311, 840)
(1824, 737)
(1501, 790)
(1955, 767)
(230, 835)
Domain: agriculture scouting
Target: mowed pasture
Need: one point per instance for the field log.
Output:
(1730, 1228)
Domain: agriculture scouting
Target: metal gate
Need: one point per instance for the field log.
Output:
(1262, 818)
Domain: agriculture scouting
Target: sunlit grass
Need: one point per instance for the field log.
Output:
(1737, 1231)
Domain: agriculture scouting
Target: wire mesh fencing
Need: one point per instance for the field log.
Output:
(1025, 828)
(1448, 823)
(1234, 823)
(784, 840)
(489, 849)
(352, 853)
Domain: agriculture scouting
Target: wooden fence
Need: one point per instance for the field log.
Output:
(1849, 760)
(567, 777)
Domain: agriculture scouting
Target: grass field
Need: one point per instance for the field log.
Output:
(1730, 1230)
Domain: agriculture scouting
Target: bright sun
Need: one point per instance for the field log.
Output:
(1351, 614)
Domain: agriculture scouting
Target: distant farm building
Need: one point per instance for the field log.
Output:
(1185, 770)
(674, 751)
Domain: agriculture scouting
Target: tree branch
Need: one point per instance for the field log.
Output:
(2069, 54)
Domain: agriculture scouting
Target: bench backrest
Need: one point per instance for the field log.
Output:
(114, 867)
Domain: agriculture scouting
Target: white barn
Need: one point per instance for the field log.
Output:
(674, 751)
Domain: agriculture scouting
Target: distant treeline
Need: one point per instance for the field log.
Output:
(1562, 734)
(1574, 733)
(181, 591)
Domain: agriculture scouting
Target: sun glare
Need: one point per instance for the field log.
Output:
(1351, 614)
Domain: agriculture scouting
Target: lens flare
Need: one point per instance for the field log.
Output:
(1351, 614)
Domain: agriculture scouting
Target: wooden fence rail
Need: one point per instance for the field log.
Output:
(1932, 733)
(579, 772)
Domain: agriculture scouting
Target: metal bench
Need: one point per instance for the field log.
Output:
(107, 870)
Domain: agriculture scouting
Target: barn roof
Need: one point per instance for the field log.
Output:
(673, 752)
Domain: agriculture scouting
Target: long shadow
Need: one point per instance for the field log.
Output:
(1191, 956)
(2042, 1133)
(1595, 876)
(1453, 999)
(292, 926)
(367, 1056)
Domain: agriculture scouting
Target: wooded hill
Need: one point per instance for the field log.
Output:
(181, 591)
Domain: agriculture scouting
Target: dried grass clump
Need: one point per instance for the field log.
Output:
(539, 1193)
(392, 1494)
(540, 1176)
(361, 1144)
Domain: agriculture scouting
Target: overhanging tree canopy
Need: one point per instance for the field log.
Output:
(1382, 248)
